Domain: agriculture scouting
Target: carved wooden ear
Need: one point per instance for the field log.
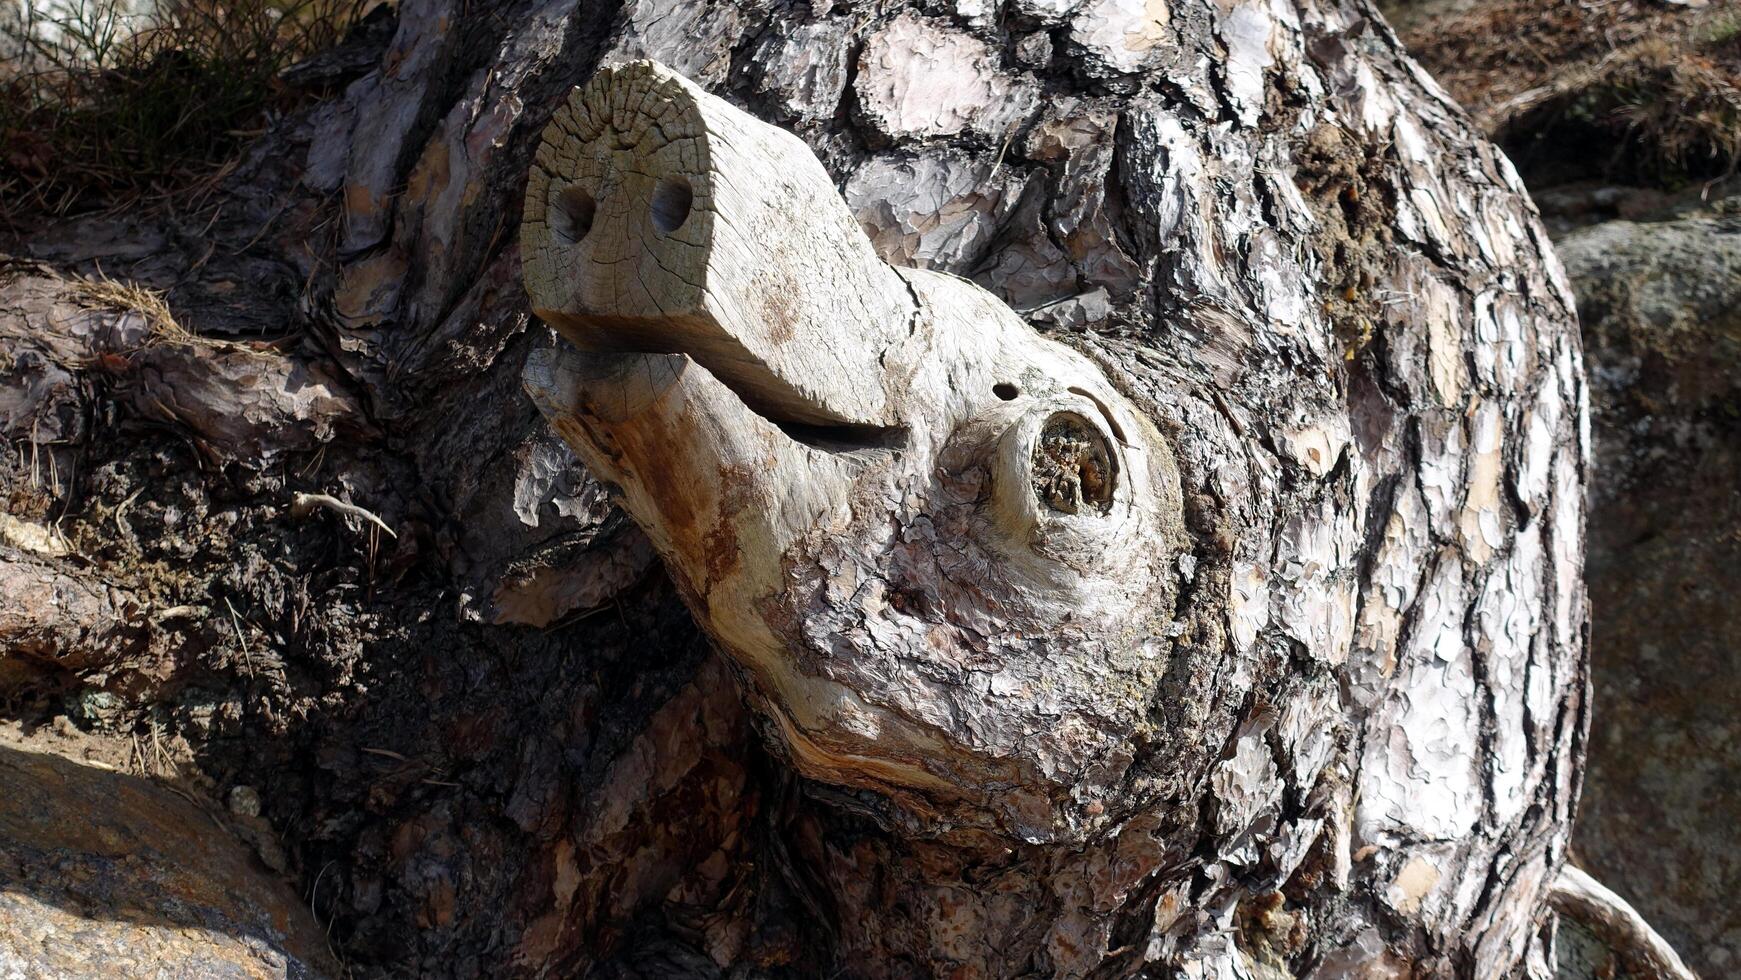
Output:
(1073, 468)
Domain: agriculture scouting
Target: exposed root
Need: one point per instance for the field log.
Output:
(303, 504)
(1611, 919)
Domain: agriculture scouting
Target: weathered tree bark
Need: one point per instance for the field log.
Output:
(1350, 661)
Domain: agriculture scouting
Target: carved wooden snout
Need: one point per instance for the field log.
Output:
(660, 219)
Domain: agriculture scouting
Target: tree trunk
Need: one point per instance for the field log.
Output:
(1323, 710)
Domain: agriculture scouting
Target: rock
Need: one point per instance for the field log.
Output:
(108, 875)
(1661, 308)
(244, 801)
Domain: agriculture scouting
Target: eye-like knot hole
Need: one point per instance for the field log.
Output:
(672, 199)
(1006, 391)
(570, 214)
(1073, 470)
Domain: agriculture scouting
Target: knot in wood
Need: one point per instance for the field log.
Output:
(1073, 468)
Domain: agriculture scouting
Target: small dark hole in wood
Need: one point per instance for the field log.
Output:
(1005, 390)
(672, 198)
(908, 602)
(1074, 469)
(571, 214)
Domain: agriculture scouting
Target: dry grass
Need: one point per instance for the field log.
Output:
(102, 293)
(126, 297)
(99, 109)
(1653, 112)
(1623, 90)
(1683, 107)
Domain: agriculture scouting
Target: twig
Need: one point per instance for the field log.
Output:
(374, 552)
(313, 896)
(247, 654)
(162, 757)
(120, 516)
(314, 461)
(998, 161)
(303, 504)
(265, 227)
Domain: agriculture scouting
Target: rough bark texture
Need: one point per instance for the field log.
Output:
(1269, 230)
(962, 608)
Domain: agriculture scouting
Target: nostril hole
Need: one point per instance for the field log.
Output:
(672, 198)
(1005, 390)
(570, 215)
